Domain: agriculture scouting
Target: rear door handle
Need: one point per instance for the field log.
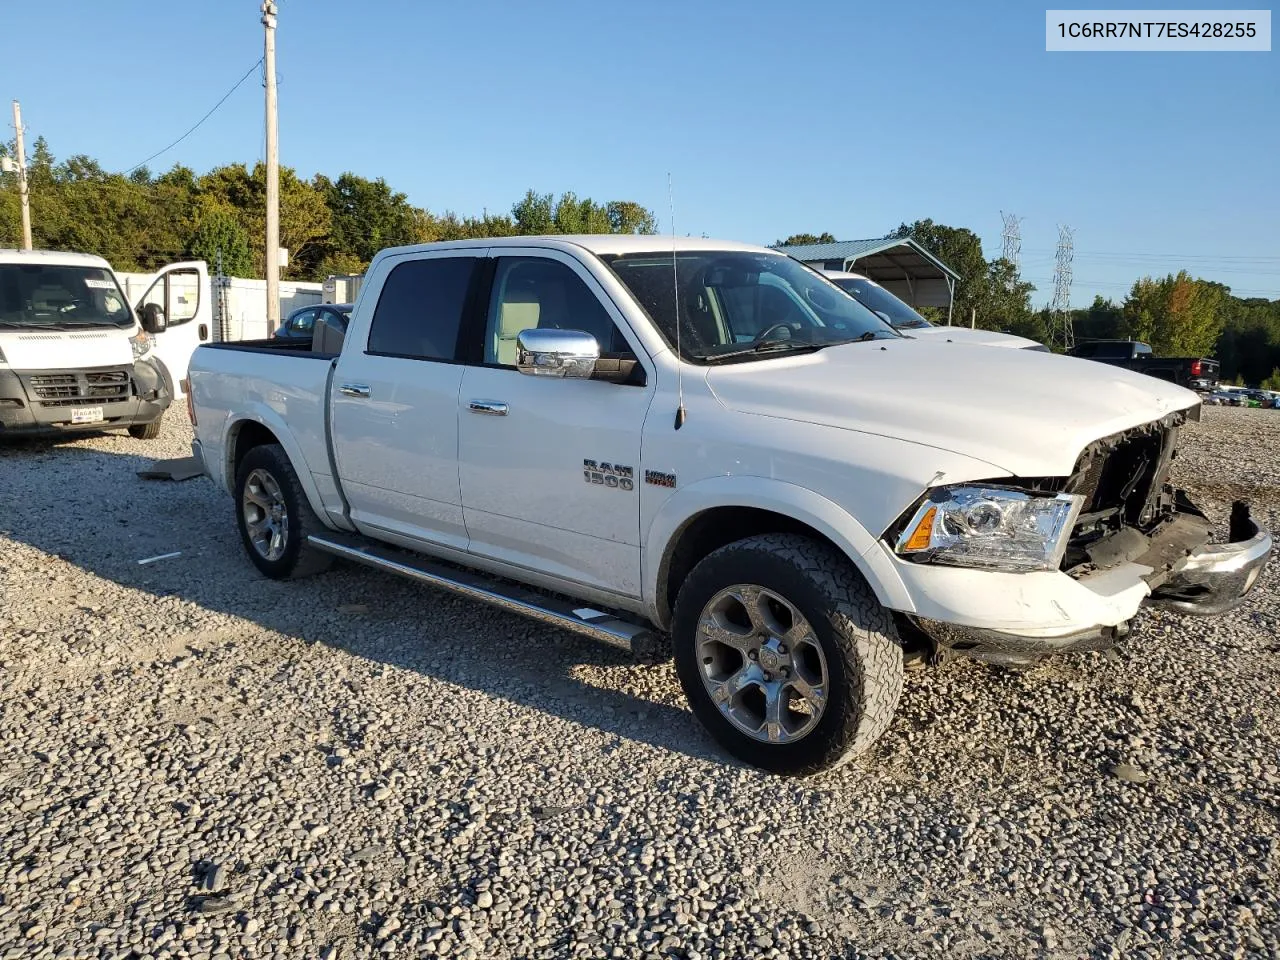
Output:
(355, 390)
(492, 408)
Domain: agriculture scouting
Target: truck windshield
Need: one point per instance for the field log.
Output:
(742, 305)
(57, 296)
(875, 297)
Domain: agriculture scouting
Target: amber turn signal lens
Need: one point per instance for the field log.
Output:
(923, 533)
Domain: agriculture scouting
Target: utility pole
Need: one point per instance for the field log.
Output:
(22, 178)
(1062, 331)
(273, 168)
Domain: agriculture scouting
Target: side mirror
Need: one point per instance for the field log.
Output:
(153, 318)
(556, 353)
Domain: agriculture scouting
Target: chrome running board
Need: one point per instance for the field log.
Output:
(567, 615)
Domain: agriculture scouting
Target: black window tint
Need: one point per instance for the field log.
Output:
(420, 308)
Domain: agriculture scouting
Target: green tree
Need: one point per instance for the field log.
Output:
(534, 214)
(1177, 315)
(1272, 382)
(366, 216)
(626, 216)
(798, 239)
(219, 239)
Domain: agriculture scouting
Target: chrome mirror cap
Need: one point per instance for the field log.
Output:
(556, 353)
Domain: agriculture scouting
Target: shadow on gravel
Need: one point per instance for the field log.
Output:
(87, 507)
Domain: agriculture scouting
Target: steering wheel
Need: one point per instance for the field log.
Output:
(767, 332)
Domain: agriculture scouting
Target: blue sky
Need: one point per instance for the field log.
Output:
(772, 118)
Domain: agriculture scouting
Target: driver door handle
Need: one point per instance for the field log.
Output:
(355, 390)
(493, 408)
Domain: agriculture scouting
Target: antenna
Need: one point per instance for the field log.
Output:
(675, 289)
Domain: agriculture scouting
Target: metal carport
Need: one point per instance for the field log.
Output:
(902, 266)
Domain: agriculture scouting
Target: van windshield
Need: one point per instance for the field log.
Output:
(739, 305)
(57, 296)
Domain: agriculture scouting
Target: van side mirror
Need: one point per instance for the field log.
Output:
(153, 318)
(556, 353)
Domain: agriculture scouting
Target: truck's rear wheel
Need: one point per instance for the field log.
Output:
(147, 431)
(785, 653)
(274, 517)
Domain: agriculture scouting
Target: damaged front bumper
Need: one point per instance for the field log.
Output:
(1215, 577)
(1173, 568)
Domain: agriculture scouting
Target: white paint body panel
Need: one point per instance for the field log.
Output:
(843, 440)
(971, 337)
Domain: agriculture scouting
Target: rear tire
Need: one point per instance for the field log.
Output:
(274, 516)
(147, 431)
(784, 630)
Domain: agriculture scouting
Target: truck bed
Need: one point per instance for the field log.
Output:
(273, 345)
(278, 383)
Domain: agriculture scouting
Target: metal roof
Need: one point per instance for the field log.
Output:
(884, 256)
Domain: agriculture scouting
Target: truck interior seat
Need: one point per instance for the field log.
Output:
(519, 310)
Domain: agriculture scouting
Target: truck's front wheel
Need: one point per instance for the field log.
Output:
(785, 653)
(274, 516)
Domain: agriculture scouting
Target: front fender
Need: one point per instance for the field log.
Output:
(777, 496)
(266, 417)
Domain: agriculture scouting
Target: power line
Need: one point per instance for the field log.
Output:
(202, 119)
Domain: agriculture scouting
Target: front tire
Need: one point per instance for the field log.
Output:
(274, 516)
(147, 431)
(785, 654)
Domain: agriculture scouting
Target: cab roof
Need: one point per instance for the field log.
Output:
(603, 244)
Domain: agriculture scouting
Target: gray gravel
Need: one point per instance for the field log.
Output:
(197, 762)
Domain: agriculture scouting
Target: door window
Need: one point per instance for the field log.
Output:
(420, 308)
(177, 293)
(302, 322)
(533, 292)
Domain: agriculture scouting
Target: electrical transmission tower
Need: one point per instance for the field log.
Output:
(1061, 331)
(1012, 241)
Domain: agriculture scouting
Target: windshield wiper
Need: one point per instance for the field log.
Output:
(766, 346)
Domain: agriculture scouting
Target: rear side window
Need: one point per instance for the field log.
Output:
(420, 309)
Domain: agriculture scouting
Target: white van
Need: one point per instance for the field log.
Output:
(76, 355)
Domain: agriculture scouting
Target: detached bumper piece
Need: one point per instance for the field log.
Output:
(1217, 576)
(1011, 649)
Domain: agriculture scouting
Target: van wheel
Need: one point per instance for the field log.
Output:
(147, 431)
(274, 516)
(785, 654)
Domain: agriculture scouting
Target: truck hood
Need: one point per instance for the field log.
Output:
(1027, 413)
(66, 349)
(985, 338)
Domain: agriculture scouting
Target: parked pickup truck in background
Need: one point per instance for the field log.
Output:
(715, 448)
(1195, 373)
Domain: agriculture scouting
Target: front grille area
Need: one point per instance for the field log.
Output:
(1124, 480)
(72, 389)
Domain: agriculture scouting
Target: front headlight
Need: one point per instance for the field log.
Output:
(142, 342)
(994, 528)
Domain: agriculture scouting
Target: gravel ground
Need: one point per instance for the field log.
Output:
(198, 762)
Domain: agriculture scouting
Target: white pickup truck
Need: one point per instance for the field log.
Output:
(710, 445)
